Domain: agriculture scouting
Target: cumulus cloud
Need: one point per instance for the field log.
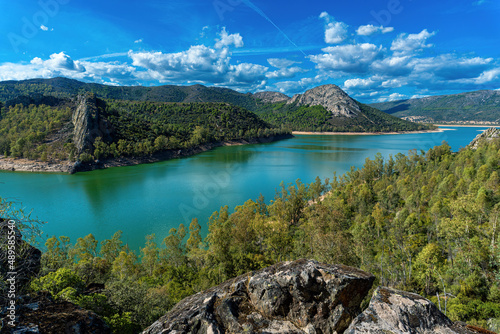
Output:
(138, 41)
(59, 61)
(407, 44)
(354, 58)
(44, 28)
(335, 32)
(226, 40)
(61, 64)
(370, 29)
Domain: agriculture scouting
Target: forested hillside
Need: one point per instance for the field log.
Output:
(425, 222)
(297, 117)
(479, 106)
(318, 119)
(33, 130)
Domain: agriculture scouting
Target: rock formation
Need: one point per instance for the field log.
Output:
(44, 315)
(271, 97)
(305, 297)
(393, 311)
(302, 296)
(331, 97)
(488, 135)
(87, 123)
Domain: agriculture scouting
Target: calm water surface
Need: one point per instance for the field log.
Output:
(146, 199)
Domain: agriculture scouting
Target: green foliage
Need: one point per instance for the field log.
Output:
(56, 282)
(318, 119)
(25, 131)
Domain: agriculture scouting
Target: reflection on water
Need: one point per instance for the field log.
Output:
(152, 198)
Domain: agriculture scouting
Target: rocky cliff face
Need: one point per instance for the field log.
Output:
(331, 97)
(88, 125)
(488, 135)
(271, 97)
(290, 297)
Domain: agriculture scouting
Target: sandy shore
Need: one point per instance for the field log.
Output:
(363, 133)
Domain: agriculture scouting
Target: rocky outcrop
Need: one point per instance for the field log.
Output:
(302, 296)
(486, 136)
(88, 125)
(271, 97)
(331, 97)
(399, 312)
(44, 315)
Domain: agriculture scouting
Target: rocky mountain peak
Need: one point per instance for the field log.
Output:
(331, 97)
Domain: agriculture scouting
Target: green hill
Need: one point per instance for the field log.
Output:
(472, 107)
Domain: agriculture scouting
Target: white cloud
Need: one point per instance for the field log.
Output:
(226, 40)
(335, 32)
(392, 97)
(407, 44)
(370, 29)
(288, 72)
(396, 96)
(354, 58)
(358, 83)
(44, 28)
(138, 41)
(59, 61)
(489, 76)
(281, 62)
(60, 64)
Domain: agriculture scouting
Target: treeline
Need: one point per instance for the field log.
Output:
(145, 128)
(425, 222)
(318, 119)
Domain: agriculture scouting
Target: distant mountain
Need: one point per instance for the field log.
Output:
(63, 87)
(271, 97)
(473, 107)
(324, 108)
(328, 108)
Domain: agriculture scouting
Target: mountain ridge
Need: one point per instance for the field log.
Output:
(482, 106)
(324, 108)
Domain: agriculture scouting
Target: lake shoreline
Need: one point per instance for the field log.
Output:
(362, 133)
(67, 167)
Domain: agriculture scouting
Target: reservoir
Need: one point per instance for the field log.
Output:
(153, 198)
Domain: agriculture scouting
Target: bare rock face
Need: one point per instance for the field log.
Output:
(302, 296)
(488, 135)
(87, 123)
(271, 97)
(331, 97)
(398, 312)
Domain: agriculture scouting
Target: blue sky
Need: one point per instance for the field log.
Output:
(375, 50)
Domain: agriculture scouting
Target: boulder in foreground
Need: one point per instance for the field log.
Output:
(302, 296)
(399, 312)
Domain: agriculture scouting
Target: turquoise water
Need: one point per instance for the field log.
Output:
(152, 198)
